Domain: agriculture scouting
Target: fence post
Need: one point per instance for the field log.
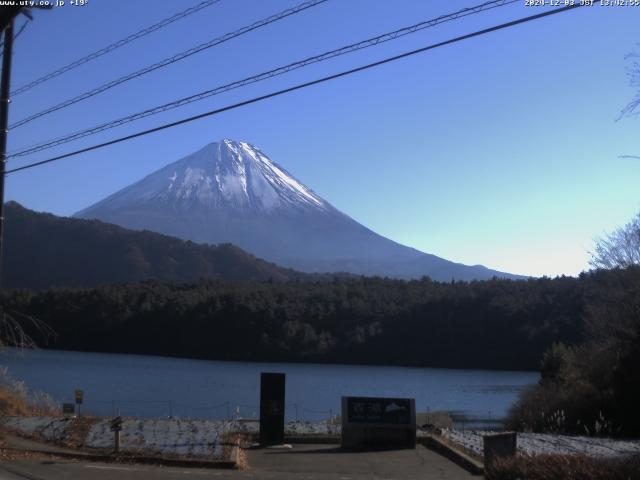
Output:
(498, 445)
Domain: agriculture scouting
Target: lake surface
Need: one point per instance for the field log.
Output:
(135, 385)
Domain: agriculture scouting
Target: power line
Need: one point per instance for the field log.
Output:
(300, 86)
(116, 45)
(170, 60)
(262, 76)
(24, 25)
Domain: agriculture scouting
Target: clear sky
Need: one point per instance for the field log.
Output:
(502, 150)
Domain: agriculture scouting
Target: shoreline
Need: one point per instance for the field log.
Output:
(271, 362)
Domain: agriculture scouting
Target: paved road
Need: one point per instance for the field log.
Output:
(308, 462)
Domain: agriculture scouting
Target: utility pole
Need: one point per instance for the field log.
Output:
(7, 16)
(4, 122)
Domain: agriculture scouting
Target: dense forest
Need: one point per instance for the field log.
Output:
(502, 324)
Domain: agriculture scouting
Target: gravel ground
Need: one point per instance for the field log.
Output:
(536, 443)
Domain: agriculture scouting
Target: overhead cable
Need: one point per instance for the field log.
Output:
(168, 61)
(261, 76)
(300, 86)
(114, 46)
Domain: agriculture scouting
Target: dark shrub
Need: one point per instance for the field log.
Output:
(564, 467)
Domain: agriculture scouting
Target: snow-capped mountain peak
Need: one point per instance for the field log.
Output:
(224, 174)
(230, 173)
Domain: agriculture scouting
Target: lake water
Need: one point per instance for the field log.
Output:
(149, 386)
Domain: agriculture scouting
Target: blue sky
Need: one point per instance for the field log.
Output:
(502, 150)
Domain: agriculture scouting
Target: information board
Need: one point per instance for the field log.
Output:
(377, 422)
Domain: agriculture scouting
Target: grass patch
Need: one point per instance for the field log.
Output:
(12, 404)
(17, 399)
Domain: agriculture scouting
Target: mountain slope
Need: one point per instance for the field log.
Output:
(43, 250)
(231, 192)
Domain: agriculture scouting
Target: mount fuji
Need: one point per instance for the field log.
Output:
(231, 192)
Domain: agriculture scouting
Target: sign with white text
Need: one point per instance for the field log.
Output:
(377, 422)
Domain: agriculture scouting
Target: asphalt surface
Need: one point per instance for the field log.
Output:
(307, 462)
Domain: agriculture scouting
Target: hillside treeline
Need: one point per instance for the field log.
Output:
(42, 251)
(501, 324)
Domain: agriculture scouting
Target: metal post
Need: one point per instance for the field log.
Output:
(330, 423)
(117, 438)
(4, 122)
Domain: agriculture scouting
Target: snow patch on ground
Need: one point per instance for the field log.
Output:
(315, 428)
(197, 438)
(48, 428)
(539, 443)
(172, 436)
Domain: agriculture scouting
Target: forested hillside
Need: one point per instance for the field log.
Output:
(43, 250)
(500, 324)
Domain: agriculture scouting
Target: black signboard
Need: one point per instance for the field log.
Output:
(68, 408)
(395, 411)
(272, 408)
(116, 424)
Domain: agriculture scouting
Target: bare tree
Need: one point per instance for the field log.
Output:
(14, 327)
(633, 71)
(618, 249)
